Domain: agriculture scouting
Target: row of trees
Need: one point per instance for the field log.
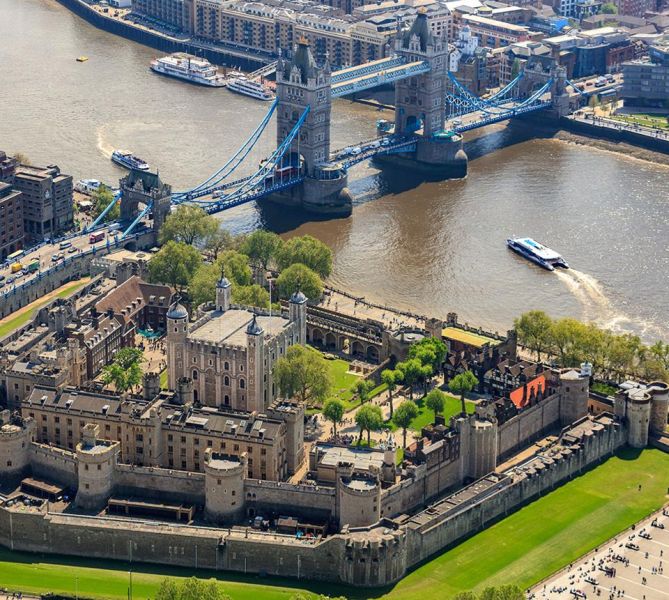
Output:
(570, 342)
(189, 231)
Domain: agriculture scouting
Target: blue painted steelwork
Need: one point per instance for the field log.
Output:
(376, 78)
(583, 93)
(402, 145)
(103, 214)
(366, 69)
(139, 217)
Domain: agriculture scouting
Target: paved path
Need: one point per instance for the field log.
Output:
(639, 572)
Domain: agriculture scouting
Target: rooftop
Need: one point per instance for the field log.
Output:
(362, 459)
(468, 337)
(229, 327)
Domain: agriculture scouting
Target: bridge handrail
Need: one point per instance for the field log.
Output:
(364, 69)
(366, 82)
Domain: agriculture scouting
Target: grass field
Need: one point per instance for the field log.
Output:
(426, 416)
(342, 381)
(645, 119)
(23, 315)
(522, 549)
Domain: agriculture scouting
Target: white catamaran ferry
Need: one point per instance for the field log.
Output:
(249, 87)
(537, 253)
(189, 68)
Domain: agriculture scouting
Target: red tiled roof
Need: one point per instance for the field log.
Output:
(538, 383)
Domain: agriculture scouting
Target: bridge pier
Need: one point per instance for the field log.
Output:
(320, 196)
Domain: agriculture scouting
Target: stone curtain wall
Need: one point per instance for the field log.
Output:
(54, 464)
(159, 484)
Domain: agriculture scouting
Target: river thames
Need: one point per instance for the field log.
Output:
(429, 247)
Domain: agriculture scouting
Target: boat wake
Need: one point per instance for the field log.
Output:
(103, 145)
(599, 309)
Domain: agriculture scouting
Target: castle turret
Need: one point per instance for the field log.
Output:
(292, 414)
(96, 462)
(358, 497)
(16, 433)
(255, 388)
(176, 335)
(574, 386)
(659, 408)
(638, 407)
(298, 314)
(224, 486)
(482, 447)
(150, 385)
(223, 294)
(184, 391)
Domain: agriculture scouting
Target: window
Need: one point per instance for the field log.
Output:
(194, 374)
(242, 384)
(226, 381)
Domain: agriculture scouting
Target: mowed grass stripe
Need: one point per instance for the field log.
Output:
(551, 532)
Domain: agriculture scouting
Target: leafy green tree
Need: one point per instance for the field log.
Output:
(304, 374)
(435, 401)
(190, 589)
(405, 413)
(430, 351)
(262, 247)
(465, 596)
(175, 264)
(190, 225)
(502, 592)
(236, 267)
(333, 411)
(101, 199)
(202, 286)
(369, 418)
(569, 336)
(515, 68)
(363, 387)
(391, 378)
(298, 277)
(306, 250)
(125, 371)
(412, 373)
(462, 384)
(660, 352)
(609, 9)
(534, 331)
(250, 295)
(219, 240)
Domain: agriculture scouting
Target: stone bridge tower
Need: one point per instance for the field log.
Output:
(144, 187)
(301, 83)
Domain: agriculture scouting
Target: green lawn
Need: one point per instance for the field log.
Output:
(163, 379)
(23, 315)
(426, 416)
(644, 119)
(522, 549)
(547, 534)
(342, 382)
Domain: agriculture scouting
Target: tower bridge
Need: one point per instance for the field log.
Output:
(432, 111)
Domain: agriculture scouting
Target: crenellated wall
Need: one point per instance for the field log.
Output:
(54, 464)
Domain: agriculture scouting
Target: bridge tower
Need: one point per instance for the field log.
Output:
(301, 83)
(144, 187)
(419, 101)
(538, 71)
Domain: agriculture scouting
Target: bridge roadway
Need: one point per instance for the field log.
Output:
(45, 252)
(360, 80)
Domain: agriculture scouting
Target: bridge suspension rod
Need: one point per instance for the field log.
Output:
(103, 214)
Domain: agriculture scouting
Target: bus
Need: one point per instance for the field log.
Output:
(33, 266)
(96, 237)
(14, 256)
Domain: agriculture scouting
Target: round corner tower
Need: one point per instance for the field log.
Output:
(358, 497)
(574, 389)
(16, 433)
(659, 409)
(96, 463)
(224, 487)
(638, 417)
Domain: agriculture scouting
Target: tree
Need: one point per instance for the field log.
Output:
(334, 411)
(299, 278)
(534, 331)
(502, 592)
(102, 198)
(236, 267)
(568, 336)
(190, 225)
(412, 372)
(391, 378)
(125, 371)
(218, 241)
(306, 250)
(609, 9)
(303, 373)
(363, 387)
(190, 589)
(175, 264)
(369, 418)
(435, 401)
(515, 68)
(21, 158)
(462, 384)
(250, 295)
(261, 247)
(430, 351)
(202, 286)
(404, 415)
(660, 352)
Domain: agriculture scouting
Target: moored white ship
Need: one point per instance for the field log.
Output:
(189, 68)
(249, 87)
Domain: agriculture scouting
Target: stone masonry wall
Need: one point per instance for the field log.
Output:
(54, 464)
(161, 484)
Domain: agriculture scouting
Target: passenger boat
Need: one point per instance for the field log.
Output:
(249, 87)
(82, 58)
(87, 186)
(127, 160)
(537, 253)
(189, 68)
